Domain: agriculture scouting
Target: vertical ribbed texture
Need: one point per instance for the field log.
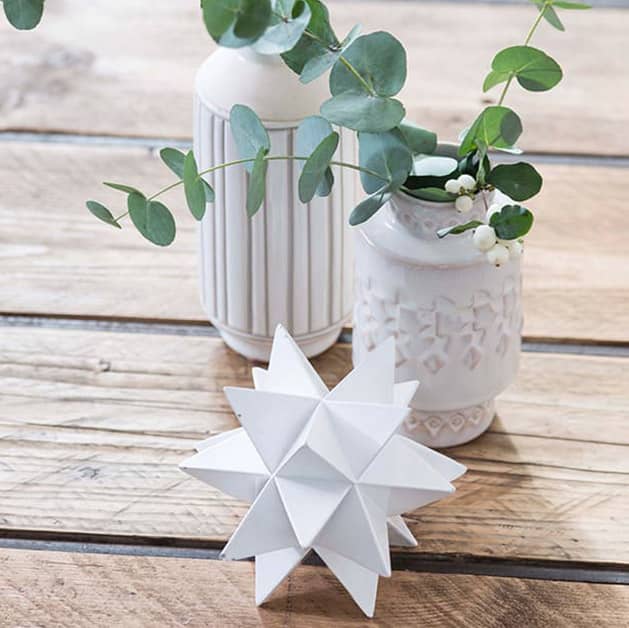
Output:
(291, 263)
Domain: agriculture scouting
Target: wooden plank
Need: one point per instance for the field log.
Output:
(58, 259)
(93, 425)
(57, 588)
(111, 76)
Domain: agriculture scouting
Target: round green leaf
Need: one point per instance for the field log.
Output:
(496, 126)
(435, 195)
(193, 187)
(512, 222)
(420, 141)
(102, 213)
(257, 184)
(432, 171)
(320, 39)
(571, 5)
(386, 154)
(533, 68)
(249, 133)
(24, 14)
(378, 67)
(288, 23)
(458, 229)
(127, 189)
(236, 23)
(368, 207)
(358, 111)
(315, 168)
(152, 219)
(174, 159)
(323, 61)
(518, 181)
(310, 133)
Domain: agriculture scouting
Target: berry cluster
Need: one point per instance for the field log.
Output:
(498, 251)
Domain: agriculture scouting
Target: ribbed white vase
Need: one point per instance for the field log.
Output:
(291, 263)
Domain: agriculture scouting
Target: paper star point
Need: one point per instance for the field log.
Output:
(323, 470)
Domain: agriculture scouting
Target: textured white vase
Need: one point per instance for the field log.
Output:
(291, 263)
(456, 318)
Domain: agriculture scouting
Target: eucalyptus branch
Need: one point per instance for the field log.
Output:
(527, 41)
(237, 162)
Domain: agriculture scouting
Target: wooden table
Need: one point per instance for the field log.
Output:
(109, 371)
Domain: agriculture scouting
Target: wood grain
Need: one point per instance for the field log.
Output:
(93, 425)
(57, 259)
(111, 76)
(61, 589)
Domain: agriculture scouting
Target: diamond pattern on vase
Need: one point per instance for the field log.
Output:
(429, 337)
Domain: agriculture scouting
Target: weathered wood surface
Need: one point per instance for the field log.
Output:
(93, 425)
(111, 76)
(66, 589)
(58, 259)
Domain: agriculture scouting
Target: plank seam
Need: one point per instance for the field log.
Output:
(460, 564)
(154, 143)
(203, 328)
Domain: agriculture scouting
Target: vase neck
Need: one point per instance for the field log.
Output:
(423, 218)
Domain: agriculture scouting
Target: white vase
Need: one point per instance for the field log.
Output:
(456, 318)
(291, 263)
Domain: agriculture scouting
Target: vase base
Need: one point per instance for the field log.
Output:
(448, 428)
(258, 348)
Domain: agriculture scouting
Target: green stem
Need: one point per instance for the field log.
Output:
(527, 41)
(341, 164)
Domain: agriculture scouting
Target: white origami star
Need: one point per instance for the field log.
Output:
(324, 470)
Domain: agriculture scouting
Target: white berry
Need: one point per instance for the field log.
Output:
(498, 255)
(515, 249)
(467, 182)
(493, 209)
(453, 186)
(484, 237)
(464, 204)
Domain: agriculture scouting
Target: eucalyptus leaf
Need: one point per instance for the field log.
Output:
(459, 229)
(322, 62)
(174, 159)
(24, 14)
(512, 222)
(193, 187)
(315, 168)
(496, 126)
(571, 5)
(386, 154)
(320, 40)
(374, 64)
(310, 133)
(432, 171)
(102, 213)
(235, 23)
(288, 23)
(420, 141)
(127, 189)
(369, 206)
(533, 69)
(519, 181)
(152, 219)
(358, 111)
(435, 195)
(257, 183)
(550, 15)
(249, 133)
